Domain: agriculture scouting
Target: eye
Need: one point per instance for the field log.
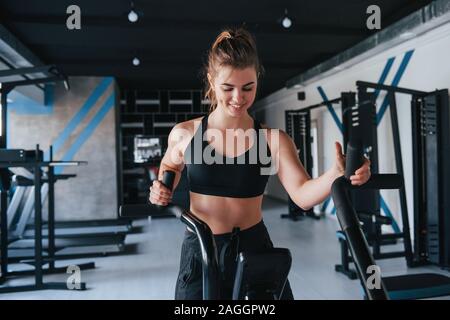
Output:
(248, 89)
(228, 89)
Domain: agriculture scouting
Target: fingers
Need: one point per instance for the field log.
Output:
(357, 180)
(338, 150)
(362, 175)
(159, 194)
(365, 167)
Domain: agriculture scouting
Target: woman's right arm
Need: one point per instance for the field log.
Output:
(173, 160)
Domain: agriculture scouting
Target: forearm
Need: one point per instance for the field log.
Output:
(315, 191)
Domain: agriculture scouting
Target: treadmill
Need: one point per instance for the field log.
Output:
(71, 240)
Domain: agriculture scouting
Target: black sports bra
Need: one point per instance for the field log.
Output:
(212, 173)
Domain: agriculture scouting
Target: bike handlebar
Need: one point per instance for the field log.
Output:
(210, 265)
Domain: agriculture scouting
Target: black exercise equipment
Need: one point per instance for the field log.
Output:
(298, 127)
(261, 276)
(430, 114)
(397, 287)
(39, 250)
(106, 238)
(431, 152)
(359, 122)
(108, 241)
(20, 158)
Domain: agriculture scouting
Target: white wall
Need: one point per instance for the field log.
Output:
(428, 69)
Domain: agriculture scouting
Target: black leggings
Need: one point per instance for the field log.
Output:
(189, 283)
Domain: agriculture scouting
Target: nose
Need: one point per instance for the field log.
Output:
(238, 96)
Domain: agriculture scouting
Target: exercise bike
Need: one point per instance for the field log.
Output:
(260, 276)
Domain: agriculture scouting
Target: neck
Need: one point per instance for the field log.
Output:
(221, 120)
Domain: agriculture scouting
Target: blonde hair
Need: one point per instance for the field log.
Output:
(232, 47)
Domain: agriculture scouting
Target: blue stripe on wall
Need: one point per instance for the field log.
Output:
(325, 204)
(333, 211)
(388, 213)
(87, 132)
(384, 75)
(398, 76)
(81, 114)
(330, 109)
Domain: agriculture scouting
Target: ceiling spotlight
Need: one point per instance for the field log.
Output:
(286, 22)
(136, 62)
(132, 16)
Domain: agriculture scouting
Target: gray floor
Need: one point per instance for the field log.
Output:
(151, 273)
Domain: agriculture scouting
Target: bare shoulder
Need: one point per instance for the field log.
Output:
(185, 130)
(189, 125)
(181, 135)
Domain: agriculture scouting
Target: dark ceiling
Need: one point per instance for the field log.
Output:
(171, 37)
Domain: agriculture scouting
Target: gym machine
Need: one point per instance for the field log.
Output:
(359, 122)
(32, 160)
(430, 115)
(376, 287)
(298, 127)
(71, 239)
(258, 276)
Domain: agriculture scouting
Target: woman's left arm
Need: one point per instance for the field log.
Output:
(303, 190)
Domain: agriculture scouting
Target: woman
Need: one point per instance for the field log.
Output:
(227, 192)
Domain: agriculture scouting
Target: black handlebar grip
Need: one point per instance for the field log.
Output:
(354, 157)
(168, 179)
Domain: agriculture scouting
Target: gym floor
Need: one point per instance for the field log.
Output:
(150, 273)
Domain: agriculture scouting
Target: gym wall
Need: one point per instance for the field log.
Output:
(420, 63)
(81, 125)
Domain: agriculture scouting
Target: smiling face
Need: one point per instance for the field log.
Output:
(235, 89)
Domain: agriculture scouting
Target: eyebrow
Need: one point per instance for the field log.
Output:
(230, 85)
